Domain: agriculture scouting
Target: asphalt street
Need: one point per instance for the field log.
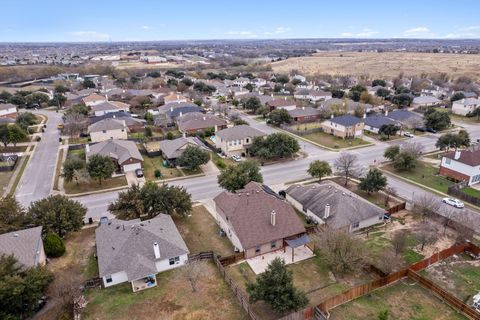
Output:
(37, 180)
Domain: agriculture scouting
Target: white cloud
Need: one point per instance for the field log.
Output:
(472, 32)
(145, 27)
(90, 35)
(278, 30)
(364, 33)
(244, 34)
(470, 28)
(418, 32)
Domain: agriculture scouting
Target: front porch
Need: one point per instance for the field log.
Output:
(147, 282)
(288, 254)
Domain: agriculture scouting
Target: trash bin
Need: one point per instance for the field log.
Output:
(90, 220)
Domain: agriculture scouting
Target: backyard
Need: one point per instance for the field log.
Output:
(424, 174)
(150, 164)
(404, 300)
(171, 299)
(201, 232)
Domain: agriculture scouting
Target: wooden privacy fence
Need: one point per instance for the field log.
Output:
(456, 190)
(397, 208)
(411, 272)
(226, 261)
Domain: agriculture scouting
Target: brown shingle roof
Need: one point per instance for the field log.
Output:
(281, 103)
(468, 157)
(249, 212)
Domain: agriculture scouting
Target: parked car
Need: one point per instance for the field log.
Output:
(408, 134)
(453, 202)
(431, 130)
(421, 129)
(139, 173)
(236, 158)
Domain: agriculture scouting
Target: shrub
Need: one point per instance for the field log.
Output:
(220, 163)
(54, 246)
(38, 138)
(157, 173)
(169, 136)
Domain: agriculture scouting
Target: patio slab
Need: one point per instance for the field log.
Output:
(259, 264)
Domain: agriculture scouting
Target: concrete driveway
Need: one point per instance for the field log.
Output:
(260, 263)
(133, 179)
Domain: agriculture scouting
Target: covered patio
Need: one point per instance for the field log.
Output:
(147, 282)
(294, 250)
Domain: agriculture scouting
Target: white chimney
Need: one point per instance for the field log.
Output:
(106, 97)
(204, 118)
(171, 109)
(386, 112)
(156, 250)
(181, 113)
(327, 212)
(303, 108)
(364, 116)
(273, 218)
(458, 153)
(331, 116)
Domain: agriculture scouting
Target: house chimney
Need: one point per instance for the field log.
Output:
(156, 250)
(364, 116)
(386, 112)
(273, 218)
(106, 97)
(204, 118)
(303, 108)
(458, 153)
(171, 109)
(327, 211)
(331, 116)
(181, 113)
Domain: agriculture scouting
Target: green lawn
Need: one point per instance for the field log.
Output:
(472, 192)
(377, 136)
(425, 174)
(79, 154)
(4, 180)
(78, 140)
(333, 142)
(58, 169)
(93, 185)
(20, 170)
(152, 163)
(405, 300)
(172, 298)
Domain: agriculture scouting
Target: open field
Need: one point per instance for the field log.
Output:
(172, 299)
(387, 64)
(404, 300)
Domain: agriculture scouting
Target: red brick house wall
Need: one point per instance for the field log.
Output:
(453, 174)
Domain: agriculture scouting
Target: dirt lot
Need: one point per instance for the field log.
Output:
(172, 299)
(404, 300)
(387, 64)
(459, 275)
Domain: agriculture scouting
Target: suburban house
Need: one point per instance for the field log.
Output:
(329, 203)
(406, 118)
(465, 106)
(304, 114)
(133, 124)
(174, 98)
(462, 165)
(335, 105)
(425, 101)
(107, 129)
(25, 245)
(374, 123)
(373, 90)
(285, 103)
(236, 140)
(109, 107)
(237, 91)
(124, 153)
(312, 95)
(263, 98)
(194, 122)
(345, 127)
(8, 110)
(257, 220)
(242, 81)
(135, 251)
(93, 99)
(173, 149)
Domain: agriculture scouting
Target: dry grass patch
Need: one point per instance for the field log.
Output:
(93, 185)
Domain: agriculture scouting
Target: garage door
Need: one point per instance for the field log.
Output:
(132, 167)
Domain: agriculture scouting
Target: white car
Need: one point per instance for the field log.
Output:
(408, 134)
(236, 158)
(453, 202)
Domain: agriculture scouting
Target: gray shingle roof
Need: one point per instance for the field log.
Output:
(109, 105)
(346, 120)
(345, 206)
(403, 115)
(239, 132)
(197, 120)
(249, 211)
(425, 100)
(107, 124)
(174, 148)
(6, 106)
(128, 245)
(378, 121)
(304, 112)
(25, 245)
(121, 150)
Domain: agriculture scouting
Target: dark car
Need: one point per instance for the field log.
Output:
(421, 129)
(431, 130)
(139, 173)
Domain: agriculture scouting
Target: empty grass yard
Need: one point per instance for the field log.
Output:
(424, 174)
(201, 233)
(172, 299)
(405, 300)
(150, 164)
(93, 185)
(333, 142)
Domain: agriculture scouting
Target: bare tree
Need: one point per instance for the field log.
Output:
(462, 227)
(347, 165)
(415, 148)
(426, 234)
(75, 123)
(389, 192)
(81, 176)
(426, 204)
(447, 216)
(193, 270)
(67, 289)
(399, 242)
(388, 261)
(342, 250)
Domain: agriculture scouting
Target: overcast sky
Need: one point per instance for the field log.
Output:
(108, 20)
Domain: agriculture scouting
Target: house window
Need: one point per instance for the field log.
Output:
(355, 224)
(173, 261)
(247, 140)
(273, 244)
(108, 279)
(104, 131)
(257, 249)
(447, 161)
